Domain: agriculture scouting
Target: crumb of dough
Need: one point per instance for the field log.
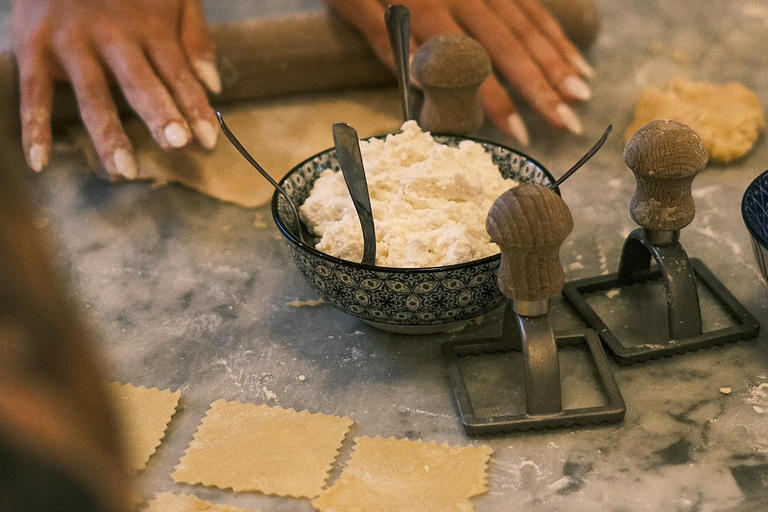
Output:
(305, 303)
(726, 390)
(728, 117)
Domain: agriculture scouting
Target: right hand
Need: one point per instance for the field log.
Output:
(159, 53)
(528, 49)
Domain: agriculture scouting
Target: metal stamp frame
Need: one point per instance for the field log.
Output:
(543, 408)
(680, 276)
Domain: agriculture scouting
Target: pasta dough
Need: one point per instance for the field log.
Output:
(399, 475)
(144, 415)
(279, 134)
(249, 447)
(728, 117)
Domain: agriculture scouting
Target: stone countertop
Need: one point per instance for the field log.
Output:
(192, 294)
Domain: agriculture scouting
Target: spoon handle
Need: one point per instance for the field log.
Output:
(583, 159)
(398, 20)
(231, 136)
(351, 161)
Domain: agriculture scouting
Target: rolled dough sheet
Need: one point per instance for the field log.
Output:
(279, 134)
(144, 415)
(728, 117)
(249, 447)
(170, 502)
(398, 475)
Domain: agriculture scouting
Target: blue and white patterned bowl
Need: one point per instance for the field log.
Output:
(404, 300)
(754, 210)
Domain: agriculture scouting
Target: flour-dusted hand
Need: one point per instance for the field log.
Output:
(527, 46)
(159, 53)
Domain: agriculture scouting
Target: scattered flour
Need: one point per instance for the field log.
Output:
(429, 202)
(758, 398)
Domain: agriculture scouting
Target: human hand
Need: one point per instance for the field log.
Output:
(527, 46)
(159, 53)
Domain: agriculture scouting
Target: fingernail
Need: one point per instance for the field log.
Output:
(175, 135)
(582, 66)
(208, 74)
(577, 87)
(517, 128)
(206, 134)
(126, 163)
(569, 118)
(37, 157)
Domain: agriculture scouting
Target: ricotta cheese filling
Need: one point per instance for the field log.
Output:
(429, 202)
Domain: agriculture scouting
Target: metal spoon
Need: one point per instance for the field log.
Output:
(351, 161)
(253, 162)
(583, 159)
(398, 20)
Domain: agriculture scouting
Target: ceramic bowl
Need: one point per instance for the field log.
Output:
(403, 300)
(754, 211)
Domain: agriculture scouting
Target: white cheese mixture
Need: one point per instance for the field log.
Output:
(429, 202)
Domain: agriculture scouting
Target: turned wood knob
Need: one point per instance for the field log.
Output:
(450, 69)
(529, 223)
(665, 156)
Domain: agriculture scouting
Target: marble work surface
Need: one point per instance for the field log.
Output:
(192, 294)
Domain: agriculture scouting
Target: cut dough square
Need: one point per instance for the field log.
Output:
(144, 415)
(170, 502)
(249, 447)
(399, 475)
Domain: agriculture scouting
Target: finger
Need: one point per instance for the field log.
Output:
(172, 66)
(501, 110)
(549, 26)
(36, 88)
(146, 93)
(198, 45)
(98, 111)
(430, 18)
(367, 16)
(511, 58)
(543, 51)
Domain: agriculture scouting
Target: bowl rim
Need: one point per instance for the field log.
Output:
(757, 237)
(403, 270)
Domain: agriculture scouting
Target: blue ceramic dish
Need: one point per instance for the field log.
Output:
(404, 300)
(754, 210)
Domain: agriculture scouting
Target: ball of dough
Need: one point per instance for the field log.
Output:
(579, 19)
(728, 117)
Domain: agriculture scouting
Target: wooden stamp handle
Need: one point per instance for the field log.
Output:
(529, 223)
(450, 69)
(665, 156)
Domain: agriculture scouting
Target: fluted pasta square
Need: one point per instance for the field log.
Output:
(170, 502)
(400, 474)
(249, 447)
(143, 415)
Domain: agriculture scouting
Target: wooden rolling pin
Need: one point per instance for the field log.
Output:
(257, 58)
